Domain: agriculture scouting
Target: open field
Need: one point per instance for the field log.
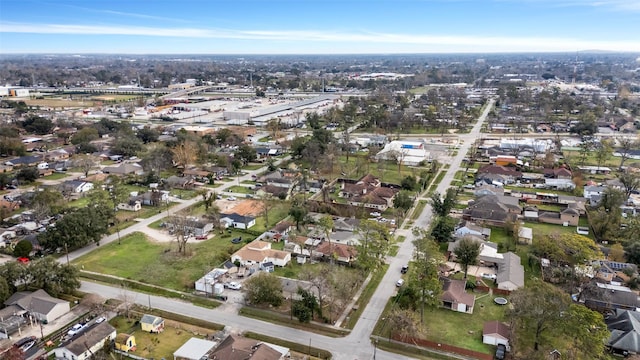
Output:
(156, 263)
(247, 207)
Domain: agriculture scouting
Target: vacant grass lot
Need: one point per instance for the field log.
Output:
(158, 263)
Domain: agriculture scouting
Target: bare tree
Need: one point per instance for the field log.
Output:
(626, 146)
(185, 154)
(85, 162)
(179, 225)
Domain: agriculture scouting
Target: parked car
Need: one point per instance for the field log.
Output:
(488, 276)
(233, 285)
(23, 260)
(501, 352)
(375, 213)
(75, 329)
(404, 269)
(231, 198)
(26, 343)
(400, 282)
(99, 320)
(201, 237)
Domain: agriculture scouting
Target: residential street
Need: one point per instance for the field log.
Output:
(357, 344)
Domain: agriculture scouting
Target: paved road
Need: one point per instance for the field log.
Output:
(357, 344)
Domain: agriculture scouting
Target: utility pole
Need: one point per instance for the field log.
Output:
(66, 250)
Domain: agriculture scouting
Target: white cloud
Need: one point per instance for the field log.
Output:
(411, 42)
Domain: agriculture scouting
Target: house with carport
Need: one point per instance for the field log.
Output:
(495, 333)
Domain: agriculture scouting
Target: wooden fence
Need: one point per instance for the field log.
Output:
(445, 347)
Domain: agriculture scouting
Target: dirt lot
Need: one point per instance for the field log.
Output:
(241, 207)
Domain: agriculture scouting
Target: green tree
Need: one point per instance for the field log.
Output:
(51, 276)
(442, 229)
(630, 182)
(38, 125)
(373, 245)
(127, 145)
(566, 248)
(27, 175)
(245, 153)
(298, 213)
(537, 309)
(22, 249)
(85, 135)
(423, 274)
(409, 183)
(5, 291)
(403, 201)
(442, 206)
(587, 330)
(147, 135)
(264, 288)
(467, 253)
(603, 152)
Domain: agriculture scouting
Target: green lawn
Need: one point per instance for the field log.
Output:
(419, 209)
(154, 346)
(56, 176)
(158, 263)
(276, 214)
(463, 330)
(240, 189)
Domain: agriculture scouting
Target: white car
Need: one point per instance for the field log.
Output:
(231, 198)
(75, 329)
(234, 286)
(375, 213)
(400, 282)
(488, 276)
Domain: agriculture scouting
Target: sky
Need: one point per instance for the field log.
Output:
(317, 27)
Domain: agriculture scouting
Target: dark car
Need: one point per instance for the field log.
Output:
(404, 269)
(501, 352)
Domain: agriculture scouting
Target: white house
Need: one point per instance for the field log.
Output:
(77, 186)
(592, 191)
(194, 349)
(258, 252)
(131, 205)
(237, 221)
(86, 343)
(407, 152)
(469, 228)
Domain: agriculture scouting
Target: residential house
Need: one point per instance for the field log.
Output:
(282, 228)
(24, 161)
(558, 173)
(454, 296)
(488, 189)
(151, 198)
(559, 184)
(611, 297)
(190, 226)
(38, 304)
(234, 220)
(194, 349)
(510, 274)
(124, 169)
(568, 216)
(468, 228)
(274, 191)
(218, 171)
(179, 182)
(496, 332)
(131, 205)
(56, 155)
(76, 186)
(86, 343)
(491, 209)
(613, 272)
(342, 253)
(152, 324)
(509, 175)
(258, 252)
(235, 347)
(624, 326)
(368, 192)
(125, 342)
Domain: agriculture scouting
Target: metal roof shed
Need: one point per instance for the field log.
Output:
(193, 349)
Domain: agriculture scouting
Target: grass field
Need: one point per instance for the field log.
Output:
(460, 329)
(240, 189)
(157, 263)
